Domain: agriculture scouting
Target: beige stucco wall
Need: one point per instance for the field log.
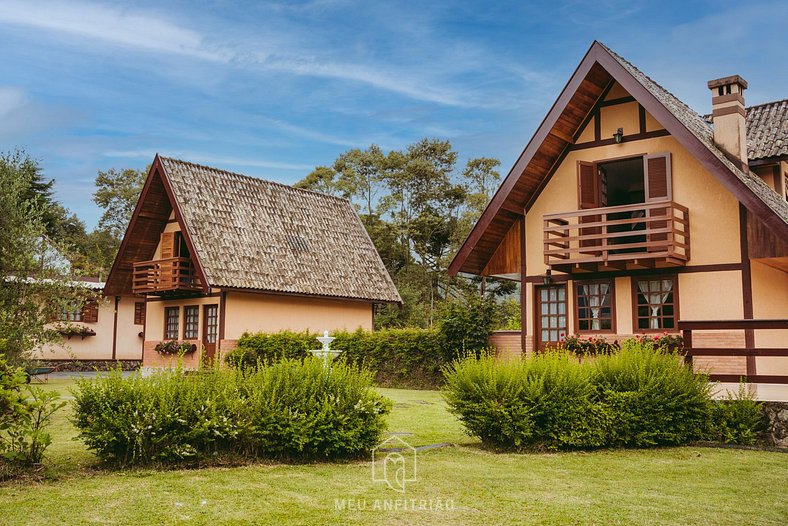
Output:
(99, 347)
(272, 313)
(713, 211)
(770, 301)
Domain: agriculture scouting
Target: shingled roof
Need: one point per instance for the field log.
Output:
(558, 130)
(767, 130)
(701, 129)
(247, 233)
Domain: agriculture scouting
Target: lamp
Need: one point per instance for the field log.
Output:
(547, 277)
(619, 135)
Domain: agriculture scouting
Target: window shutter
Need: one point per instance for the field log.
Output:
(167, 245)
(658, 188)
(139, 313)
(588, 197)
(658, 177)
(588, 185)
(90, 312)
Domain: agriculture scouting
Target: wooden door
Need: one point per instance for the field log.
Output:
(210, 331)
(170, 244)
(551, 315)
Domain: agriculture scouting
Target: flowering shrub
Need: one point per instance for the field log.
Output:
(175, 347)
(590, 346)
(289, 409)
(593, 345)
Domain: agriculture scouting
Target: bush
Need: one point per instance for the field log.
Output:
(288, 410)
(651, 397)
(25, 413)
(738, 419)
(640, 396)
(545, 401)
(399, 357)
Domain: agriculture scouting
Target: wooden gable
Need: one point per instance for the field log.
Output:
(602, 80)
(153, 210)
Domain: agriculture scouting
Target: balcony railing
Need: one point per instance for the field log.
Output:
(643, 235)
(163, 276)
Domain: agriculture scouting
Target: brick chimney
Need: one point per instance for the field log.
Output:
(729, 117)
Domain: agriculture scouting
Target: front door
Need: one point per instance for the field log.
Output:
(210, 331)
(551, 324)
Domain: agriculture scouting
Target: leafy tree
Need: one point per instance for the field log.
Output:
(117, 192)
(35, 285)
(321, 179)
(360, 176)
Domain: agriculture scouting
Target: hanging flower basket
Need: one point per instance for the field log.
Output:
(175, 347)
(75, 330)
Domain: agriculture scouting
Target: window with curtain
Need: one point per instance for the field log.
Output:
(171, 318)
(594, 306)
(191, 320)
(656, 303)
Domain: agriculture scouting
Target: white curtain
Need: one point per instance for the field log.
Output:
(597, 296)
(655, 296)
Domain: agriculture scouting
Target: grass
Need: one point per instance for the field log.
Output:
(687, 485)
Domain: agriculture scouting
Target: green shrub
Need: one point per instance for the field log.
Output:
(651, 397)
(544, 401)
(25, 414)
(399, 357)
(737, 419)
(286, 410)
(639, 396)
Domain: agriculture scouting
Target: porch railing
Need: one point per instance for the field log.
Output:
(164, 275)
(687, 329)
(616, 236)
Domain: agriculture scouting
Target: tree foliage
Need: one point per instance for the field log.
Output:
(418, 208)
(36, 277)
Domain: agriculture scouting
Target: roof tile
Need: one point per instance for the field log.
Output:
(255, 234)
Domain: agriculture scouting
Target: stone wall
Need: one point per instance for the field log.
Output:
(776, 433)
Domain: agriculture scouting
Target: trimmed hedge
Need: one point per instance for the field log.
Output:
(411, 358)
(291, 409)
(638, 397)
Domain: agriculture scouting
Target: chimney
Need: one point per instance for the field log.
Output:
(729, 117)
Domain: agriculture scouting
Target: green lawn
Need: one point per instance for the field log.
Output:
(688, 485)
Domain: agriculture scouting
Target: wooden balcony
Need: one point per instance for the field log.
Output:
(642, 235)
(165, 276)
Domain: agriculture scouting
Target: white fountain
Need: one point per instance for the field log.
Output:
(326, 353)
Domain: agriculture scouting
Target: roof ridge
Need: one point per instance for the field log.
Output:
(657, 84)
(764, 104)
(256, 179)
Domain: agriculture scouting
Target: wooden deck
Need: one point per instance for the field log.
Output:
(643, 235)
(165, 276)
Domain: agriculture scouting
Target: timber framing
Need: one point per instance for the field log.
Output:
(578, 102)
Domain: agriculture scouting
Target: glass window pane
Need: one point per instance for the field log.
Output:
(543, 293)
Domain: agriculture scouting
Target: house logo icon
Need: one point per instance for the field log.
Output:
(394, 462)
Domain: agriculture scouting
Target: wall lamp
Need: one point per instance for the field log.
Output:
(547, 277)
(619, 135)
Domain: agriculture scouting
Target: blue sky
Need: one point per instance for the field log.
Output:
(272, 89)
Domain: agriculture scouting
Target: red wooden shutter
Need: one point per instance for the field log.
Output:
(139, 313)
(658, 187)
(658, 177)
(588, 185)
(588, 197)
(90, 312)
(167, 245)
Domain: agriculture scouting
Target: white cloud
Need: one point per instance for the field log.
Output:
(279, 50)
(142, 30)
(202, 157)
(11, 99)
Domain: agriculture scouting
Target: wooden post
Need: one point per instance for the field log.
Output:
(687, 337)
(523, 287)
